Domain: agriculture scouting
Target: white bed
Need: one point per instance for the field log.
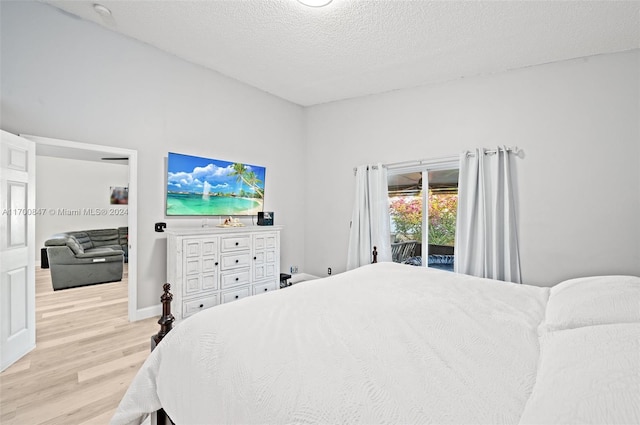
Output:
(397, 344)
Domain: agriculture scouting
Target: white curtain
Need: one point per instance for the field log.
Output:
(486, 231)
(370, 223)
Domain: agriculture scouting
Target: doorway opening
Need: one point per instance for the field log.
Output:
(91, 152)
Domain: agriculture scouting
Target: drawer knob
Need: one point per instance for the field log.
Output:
(255, 258)
(237, 296)
(237, 243)
(237, 261)
(237, 279)
(201, 305)
(266, 289)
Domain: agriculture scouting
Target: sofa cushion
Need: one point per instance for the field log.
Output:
(83, 239)
(59, 239)
(102, 237)
(123, 235)
(100, 252)
(74, 245)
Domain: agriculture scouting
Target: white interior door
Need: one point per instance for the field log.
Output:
(17, 250)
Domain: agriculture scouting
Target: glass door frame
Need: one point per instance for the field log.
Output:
(424, 167)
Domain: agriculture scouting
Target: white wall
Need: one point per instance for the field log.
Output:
(579, 187)
(69, 79)
(78, 186)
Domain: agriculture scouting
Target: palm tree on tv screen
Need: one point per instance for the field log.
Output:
(254, 181)
(246, 176)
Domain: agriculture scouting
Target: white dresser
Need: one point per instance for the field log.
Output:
(211, 266)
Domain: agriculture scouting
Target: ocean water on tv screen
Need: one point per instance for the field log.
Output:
(195, 204)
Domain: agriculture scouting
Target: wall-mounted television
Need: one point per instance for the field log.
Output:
(198, 186)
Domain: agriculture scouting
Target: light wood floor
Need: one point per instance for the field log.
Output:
(86, 355)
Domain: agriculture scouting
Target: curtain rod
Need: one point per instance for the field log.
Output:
(450, 158)
(414, 163)
(514, 150)
(375, 167)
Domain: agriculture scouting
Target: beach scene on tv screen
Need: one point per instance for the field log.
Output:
(204, 186)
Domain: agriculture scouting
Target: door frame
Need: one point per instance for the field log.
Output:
(132, 216)
(423, 167)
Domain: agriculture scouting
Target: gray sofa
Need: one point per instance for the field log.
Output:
(86, 257)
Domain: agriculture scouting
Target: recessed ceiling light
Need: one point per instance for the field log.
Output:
(101, 10)
(315, 3)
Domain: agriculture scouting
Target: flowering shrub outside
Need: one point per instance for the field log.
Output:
(406, 215)
(443, 209)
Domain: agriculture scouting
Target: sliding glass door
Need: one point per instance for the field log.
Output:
(423, 203)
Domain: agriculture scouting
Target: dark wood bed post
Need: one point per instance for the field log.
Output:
(375, 255)
(166, 320)
(166, 324)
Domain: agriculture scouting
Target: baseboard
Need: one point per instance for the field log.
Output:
(301, 277)
(147, 312)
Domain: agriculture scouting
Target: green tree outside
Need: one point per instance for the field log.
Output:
(406, 214)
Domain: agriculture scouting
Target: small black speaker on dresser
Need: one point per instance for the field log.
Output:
(265, 218)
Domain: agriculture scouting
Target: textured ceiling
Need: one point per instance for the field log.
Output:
(358, 47)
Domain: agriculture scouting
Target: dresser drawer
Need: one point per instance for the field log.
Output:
(264, 287)
(235, 295)
(191, 307)
(234, 261)
(235, 243)
(229, 279)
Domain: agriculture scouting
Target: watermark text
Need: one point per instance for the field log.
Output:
(66, 211)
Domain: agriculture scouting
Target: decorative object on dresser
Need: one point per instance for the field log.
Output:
(265, 218)
(211, 266)
(284, 280)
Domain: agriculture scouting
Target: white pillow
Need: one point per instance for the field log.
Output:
(593, 301)
(589, 375)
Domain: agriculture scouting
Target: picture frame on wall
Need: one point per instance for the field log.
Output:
(119, 195)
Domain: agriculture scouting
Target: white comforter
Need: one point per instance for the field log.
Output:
(395, 344)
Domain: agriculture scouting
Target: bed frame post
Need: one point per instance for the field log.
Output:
(375, 255)
(166, 324)
(166, 320)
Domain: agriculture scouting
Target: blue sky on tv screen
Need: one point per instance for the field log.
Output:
(188, 174)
